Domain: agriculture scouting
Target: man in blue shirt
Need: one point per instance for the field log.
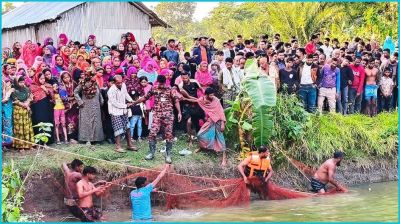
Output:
(170, 54)
(140, 198)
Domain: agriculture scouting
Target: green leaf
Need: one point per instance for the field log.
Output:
(233, 120)
(44, 139)
(47, 129)
(261, 89)
(236, 105)
(262, 125)
(4, 192)
(246, 126)
(11, 217)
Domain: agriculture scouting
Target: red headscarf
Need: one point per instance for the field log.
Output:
(133, 39)
(29, 53)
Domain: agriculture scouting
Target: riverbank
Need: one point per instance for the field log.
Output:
(44, 187)
(370, 145)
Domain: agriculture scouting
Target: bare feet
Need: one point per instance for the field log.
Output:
(197, 150)
(119, 150)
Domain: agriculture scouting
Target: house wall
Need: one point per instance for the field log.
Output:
(106, 20)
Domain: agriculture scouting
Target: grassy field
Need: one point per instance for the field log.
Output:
(50, 160)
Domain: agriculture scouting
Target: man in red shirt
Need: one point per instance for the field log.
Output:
(355, 92)
(311, 46)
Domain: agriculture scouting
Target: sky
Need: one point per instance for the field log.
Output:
(202, 9)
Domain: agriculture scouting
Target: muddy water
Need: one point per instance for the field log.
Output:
(374, 202)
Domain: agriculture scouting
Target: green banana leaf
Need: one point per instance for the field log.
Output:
(262, 92)
(263, 125)
(261, 89)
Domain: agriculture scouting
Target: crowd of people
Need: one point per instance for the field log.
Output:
(93, 93)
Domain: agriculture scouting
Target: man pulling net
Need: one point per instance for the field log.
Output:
(325, 173)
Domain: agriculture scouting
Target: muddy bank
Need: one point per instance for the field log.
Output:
(44, 193)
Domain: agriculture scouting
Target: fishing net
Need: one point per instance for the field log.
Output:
(186, 192)
(183, 192)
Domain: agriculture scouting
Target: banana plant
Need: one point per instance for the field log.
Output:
(249, 112)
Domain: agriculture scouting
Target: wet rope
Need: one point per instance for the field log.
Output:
(140, 168)
(290, 161)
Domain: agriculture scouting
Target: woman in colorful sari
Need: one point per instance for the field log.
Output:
(204, 77)
(65, 52)
(48, 42)
(71, 106)
(73, 60)
(47, 55)
(89, 99)
(22, 115)
(29, 53)
(17, 50)
(6, 54)
(211, 135)
(62, 40)
(57, 66)
(149, 71)
(42, 107)
(129, 38)
(7, 106)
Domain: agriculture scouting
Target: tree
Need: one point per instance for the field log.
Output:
(179, 15)
(7, 6)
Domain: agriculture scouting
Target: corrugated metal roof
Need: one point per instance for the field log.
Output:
(37, 12)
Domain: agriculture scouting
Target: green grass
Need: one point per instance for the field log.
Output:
(359, 136)
(307, 138)
(51, 160)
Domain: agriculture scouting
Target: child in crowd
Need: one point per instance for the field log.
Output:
(59, 112)
(137, 116)
(386, 86)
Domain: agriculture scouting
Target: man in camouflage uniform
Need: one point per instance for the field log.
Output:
(164, 99)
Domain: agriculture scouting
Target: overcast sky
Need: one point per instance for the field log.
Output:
(202, 9)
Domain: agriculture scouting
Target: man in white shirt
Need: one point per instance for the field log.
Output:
(308, 75)
(326, 48)
(230, 79)
(118, 109)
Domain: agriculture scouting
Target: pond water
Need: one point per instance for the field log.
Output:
(372, 202)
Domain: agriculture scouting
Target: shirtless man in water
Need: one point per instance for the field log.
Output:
(325, 173)
(86, 189)
(371, 88)
(72, 175)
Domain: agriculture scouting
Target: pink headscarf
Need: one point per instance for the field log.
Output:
(144, 61)
(29, 52)
(212, 109)
(204, 78)
(165, 72)
(63, 43)
(153, 63)
(131, 70)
